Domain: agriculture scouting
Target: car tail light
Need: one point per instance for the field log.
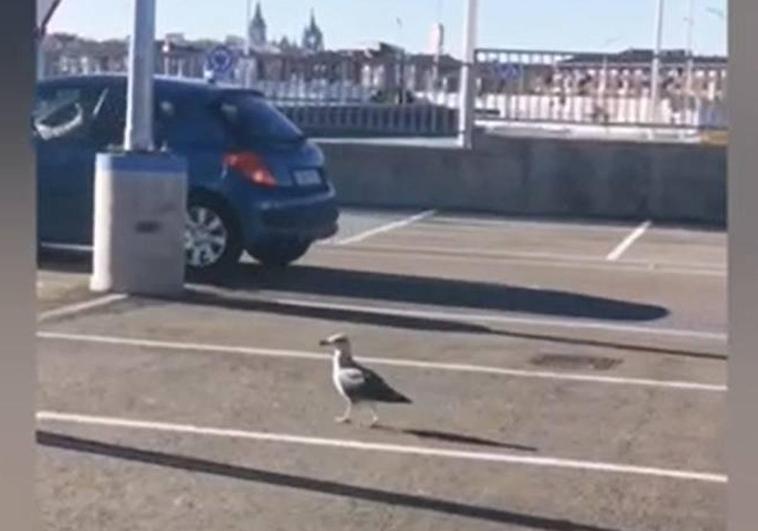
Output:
(251, 166)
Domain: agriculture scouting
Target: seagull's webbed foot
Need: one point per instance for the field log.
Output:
(374, 418)
(345, 419)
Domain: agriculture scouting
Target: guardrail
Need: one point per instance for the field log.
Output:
(599, 89)
(386, 92)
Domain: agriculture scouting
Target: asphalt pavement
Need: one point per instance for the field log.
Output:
(565, 376)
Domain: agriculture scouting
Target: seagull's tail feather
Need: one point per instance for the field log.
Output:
(395, 397)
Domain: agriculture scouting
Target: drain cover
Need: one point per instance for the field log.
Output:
(569, 361)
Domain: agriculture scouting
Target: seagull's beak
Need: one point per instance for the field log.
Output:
(324, 343)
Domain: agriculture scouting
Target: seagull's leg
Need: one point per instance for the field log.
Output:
(346, 417)
(374, 415)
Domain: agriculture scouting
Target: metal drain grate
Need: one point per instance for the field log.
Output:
(574, 362)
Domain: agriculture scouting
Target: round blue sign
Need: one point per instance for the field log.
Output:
(221, 60)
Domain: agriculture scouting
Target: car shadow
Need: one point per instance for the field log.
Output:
(202, 297)
(441, 292)
(249, 278)
(64, 260)
(306, 484)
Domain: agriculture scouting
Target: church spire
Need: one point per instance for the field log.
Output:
(257, 35)
(313, 38)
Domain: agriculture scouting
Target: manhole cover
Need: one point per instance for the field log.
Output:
(569, 361)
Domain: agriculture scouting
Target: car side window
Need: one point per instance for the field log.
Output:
(63, 113)
(110, 118)
(184, 122)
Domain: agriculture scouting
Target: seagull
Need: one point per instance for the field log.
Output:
(357, 384)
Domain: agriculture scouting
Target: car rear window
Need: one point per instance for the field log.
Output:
(252, 120)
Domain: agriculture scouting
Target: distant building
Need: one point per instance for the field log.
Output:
(313, 37)
(235, 42)
(437, 40)
(257, 31)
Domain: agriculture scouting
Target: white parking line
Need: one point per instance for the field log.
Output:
(390, 362)
(386, 228)
(622, 247)
(571, 324)
(73, 309)
(528, 258)
(346, 444)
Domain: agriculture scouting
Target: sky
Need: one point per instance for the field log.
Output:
(571, 25)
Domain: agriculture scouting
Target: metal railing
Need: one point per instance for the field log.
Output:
(598, 89)
(393, 94)
(359, 96)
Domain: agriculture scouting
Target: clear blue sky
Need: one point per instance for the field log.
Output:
(534, 24)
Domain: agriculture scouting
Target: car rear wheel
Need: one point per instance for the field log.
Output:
(279, 253)
(212, 241)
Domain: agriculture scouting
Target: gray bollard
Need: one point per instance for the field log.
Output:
(139, 219)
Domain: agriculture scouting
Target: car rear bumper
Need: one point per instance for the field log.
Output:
(306, 219)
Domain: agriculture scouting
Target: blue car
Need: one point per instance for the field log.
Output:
(257, 184)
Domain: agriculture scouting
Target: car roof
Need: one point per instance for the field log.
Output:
(170, 85)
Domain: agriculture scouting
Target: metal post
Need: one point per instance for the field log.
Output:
(40, 56)
(248, 40)
(655, 88)
(467, 88)
(689, 96)
(139, 113)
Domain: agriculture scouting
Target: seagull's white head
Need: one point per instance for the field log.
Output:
(339, 342)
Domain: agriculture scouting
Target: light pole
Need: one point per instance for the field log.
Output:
(655, 89)
(467, 88)
(690, 53)
(138, 135)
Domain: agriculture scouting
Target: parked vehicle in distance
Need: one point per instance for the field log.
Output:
(256, 183)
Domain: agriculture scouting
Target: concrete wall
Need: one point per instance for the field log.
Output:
(538, 177)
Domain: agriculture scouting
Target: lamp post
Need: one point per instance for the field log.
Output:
(139, 109)
(467, 88)
(655, 88)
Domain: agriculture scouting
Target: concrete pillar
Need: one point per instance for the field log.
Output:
(742, 447)
(140, 205)
(17, 262)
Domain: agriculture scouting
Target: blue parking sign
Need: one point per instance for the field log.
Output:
(221, 61)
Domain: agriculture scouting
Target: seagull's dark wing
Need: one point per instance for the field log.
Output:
(352, 380)
(375, 389)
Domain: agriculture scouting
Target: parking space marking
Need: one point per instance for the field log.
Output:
(571, 324)
(79, 307)
(347, 444)
(387, 228)
(389, 362)
(539, 259)
(622, 247)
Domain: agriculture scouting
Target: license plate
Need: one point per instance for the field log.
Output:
(307, 177)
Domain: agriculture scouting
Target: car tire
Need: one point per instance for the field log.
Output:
(213, 240)
(279, 253)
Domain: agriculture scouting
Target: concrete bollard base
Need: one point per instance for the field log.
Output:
(139, 218)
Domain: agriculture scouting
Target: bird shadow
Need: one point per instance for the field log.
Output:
(306, 484)
(457, 438)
